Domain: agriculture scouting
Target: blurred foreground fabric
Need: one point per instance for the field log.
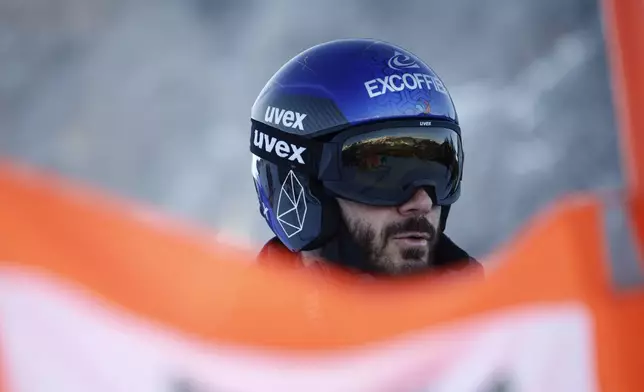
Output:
(97, 296)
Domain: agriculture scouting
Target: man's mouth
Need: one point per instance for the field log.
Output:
(412, 236)
(412, 239)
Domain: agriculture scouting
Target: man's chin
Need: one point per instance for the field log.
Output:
(409, 261)
(407, 267)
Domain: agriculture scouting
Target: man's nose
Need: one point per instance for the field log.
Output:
(419, 204)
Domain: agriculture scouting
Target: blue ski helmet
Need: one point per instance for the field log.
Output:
(359, 119)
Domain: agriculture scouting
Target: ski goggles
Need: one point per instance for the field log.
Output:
(381, 164)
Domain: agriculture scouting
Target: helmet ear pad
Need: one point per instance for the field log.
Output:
(311, 223)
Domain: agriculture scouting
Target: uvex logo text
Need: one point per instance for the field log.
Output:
(288, 118)
(281, 148)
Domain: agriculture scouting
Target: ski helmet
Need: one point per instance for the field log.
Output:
(358, 119)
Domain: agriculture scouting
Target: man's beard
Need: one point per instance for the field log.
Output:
(373, 246)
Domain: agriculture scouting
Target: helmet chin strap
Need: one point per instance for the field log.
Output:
(443, 219)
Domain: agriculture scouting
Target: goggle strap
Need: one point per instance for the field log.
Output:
(285, 149)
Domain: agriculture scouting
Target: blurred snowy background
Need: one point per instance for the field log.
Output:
(151, 99)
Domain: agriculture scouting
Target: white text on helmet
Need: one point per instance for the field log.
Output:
(288, 118)
(281, 148)
(406, 81)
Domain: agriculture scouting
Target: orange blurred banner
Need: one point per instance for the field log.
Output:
(94, 296)
(624, 30)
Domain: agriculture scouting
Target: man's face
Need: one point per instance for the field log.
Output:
(398, 240)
